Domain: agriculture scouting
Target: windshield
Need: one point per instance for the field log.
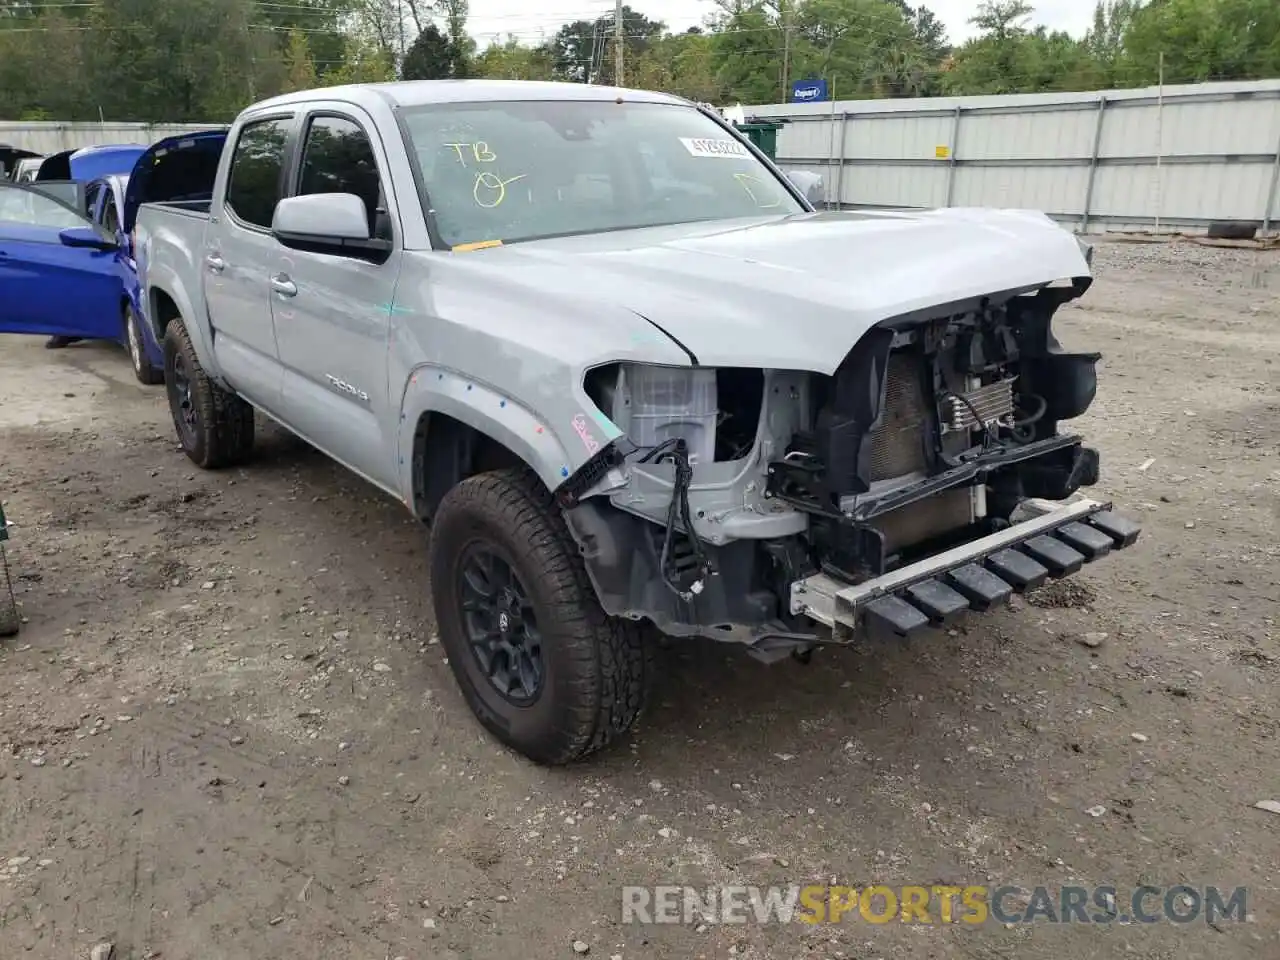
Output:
(513, 171)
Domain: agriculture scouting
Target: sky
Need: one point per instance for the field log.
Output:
(490, 18)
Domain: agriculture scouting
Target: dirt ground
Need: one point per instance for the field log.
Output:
(227, 731)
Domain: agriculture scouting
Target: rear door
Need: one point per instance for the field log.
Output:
(46, 287)
(239, 257)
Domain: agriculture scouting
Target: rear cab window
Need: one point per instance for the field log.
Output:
(257, 165)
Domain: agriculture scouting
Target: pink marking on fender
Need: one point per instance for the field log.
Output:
(584, 433)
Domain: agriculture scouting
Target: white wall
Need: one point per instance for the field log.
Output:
(1110, 160)
(52, 137)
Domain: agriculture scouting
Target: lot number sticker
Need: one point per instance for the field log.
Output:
(715, 148)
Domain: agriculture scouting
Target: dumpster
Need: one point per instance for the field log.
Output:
(764, 134)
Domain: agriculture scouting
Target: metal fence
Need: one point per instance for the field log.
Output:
(1177, 158)
(50, 137)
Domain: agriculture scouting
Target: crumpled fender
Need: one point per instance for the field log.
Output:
(436, 389)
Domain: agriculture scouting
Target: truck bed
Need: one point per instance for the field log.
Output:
(188, 208)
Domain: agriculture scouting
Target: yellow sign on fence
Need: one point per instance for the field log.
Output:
(942, 152)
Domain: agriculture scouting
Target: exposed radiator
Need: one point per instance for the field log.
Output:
(897, 445)
(898, 449)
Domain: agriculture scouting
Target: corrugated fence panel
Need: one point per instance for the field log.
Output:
(868, 185)
(1054, 190)
(1027, 136)
(893, 138)
(1181, 157)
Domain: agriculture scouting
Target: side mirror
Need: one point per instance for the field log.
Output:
(335, 223)
(321, 218)
(811, 185)
(86, 238)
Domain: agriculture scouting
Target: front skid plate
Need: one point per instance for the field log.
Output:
(979, 575)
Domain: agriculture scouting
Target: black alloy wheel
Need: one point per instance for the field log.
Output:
(500, 624)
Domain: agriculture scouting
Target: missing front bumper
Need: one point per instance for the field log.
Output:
(1056, 542)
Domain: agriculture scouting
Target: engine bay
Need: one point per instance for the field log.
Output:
(730, 484)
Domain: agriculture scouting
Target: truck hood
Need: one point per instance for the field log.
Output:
(793, 292)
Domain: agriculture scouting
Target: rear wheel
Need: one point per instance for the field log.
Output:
(215, 427)
(143, 369)
(541, 665)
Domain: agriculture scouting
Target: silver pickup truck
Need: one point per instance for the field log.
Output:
(631, 378)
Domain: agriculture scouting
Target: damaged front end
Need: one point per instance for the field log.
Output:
(925, 477)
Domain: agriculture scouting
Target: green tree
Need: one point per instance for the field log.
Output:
(746, 52)
(299, 70)
(363, 62)
(433, 56)
(583, 50)
(1201, 40)
(513, 60)
(177, 60)
(680, 64)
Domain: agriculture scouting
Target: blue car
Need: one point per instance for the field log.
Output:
(89, 163)
(67, 268)
(104, 204)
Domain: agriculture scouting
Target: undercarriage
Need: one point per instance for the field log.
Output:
(927, 476)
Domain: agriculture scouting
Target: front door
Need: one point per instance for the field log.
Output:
(238, 257)
(332, 312)
(47, 287)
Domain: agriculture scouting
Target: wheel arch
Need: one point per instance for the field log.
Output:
(452, 428)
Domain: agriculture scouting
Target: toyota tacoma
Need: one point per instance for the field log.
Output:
(632, 378)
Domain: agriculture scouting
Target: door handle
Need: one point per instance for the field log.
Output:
(215, 263)
(282, 285)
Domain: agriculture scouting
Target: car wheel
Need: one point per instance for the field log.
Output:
(541, 665)
(215, 427)
(143, 369)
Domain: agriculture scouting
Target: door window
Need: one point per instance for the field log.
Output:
(91, 198)
(33, 208)
(111, 214)
(253, 188)
(338, 158)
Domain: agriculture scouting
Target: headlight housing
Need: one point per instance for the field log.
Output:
(654, 404)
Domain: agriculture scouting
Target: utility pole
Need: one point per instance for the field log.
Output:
(786, 46)
(619, 42)
(1160, 144)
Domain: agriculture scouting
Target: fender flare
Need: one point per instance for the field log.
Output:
(432, 388)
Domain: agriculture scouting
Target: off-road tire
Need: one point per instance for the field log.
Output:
(222, 434)
(597, 669)
(143, 368)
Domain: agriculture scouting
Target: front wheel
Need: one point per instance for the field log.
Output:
(143, 368)
(541, 665)
(215, 427)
